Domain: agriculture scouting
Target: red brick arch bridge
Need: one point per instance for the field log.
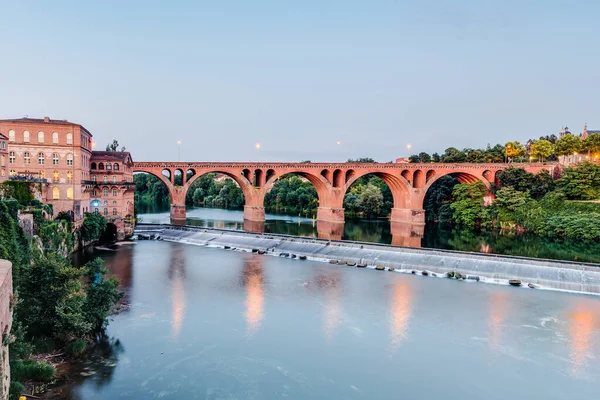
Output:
(408, 182)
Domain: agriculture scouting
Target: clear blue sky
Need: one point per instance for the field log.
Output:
(298, 76)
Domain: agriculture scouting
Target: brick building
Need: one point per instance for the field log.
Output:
(58, 154)
(3, 157)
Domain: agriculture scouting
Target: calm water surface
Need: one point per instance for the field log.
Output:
(207, 323)
(380, 231)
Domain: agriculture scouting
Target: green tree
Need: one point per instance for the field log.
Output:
(370, 201)
(467, 208)
(568, 145)
(435, 157)
(362, 160)
(101, 294)
(517, 178)
(453, 155)
(93, 226)
(581, 182)
(114, 146)
(541, 149)
(424, 157)
(592, 144)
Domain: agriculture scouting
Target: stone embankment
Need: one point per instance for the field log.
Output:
(534, 273)
(6, 296)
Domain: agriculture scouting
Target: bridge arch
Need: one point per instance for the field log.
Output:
(397, 185)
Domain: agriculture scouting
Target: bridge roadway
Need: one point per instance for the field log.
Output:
(408, 183)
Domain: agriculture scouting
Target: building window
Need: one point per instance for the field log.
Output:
(40, 137)
(94, 193)
(114, 192)
(70, 193)
(106, 211)
(105, 179)
(12, 172)
(69, 159)
(69, 138)
(94, 178)
(114, 202)
(26, 158)
(42, 174)
(55, 137)
(41, 158)
(55, 193)
(54, 159)
(93, 165)
(108, 166)
(114, 211)
(114, 179)
(116, 167)
(11, 136)
(55, 176)
(26, 136)
(3, 172)
(101, 166)
(11, 157)
(96, 210)
(105, 202)
(70, 176)
(3, 145)
(105, 191)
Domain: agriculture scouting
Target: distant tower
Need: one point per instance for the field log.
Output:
(564, 131)
(584, 134)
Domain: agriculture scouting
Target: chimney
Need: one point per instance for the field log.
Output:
(46, 119)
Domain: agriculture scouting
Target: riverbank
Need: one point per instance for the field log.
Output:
(546, 274)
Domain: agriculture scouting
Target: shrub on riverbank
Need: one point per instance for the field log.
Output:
(32, 370)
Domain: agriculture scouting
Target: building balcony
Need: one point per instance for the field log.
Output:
(27, 178)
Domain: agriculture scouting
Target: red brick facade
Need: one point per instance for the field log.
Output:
(3, 158)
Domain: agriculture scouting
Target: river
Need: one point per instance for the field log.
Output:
(206, 323)
(381, 231)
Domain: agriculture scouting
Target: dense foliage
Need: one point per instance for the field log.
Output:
(55, 304)
(93, 226)
(535, 203)
(292, 194)
(208, 191)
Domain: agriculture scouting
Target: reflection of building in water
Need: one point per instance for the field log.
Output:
(331, 284)
(407, 235)
(253, 281)
(177, 276)
(582, 326)
(401, 307)
(497, 315)
(121, 266)
(254, 226)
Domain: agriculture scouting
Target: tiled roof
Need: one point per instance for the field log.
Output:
(123, 156)
(590, 132)
(27, 120)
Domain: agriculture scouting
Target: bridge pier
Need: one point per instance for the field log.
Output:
(330, 214)
(407, 215)
(178, 215)
(254, 213)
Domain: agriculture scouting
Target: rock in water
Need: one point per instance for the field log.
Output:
(515, 282)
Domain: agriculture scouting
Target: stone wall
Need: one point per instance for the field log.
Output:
(5, 323)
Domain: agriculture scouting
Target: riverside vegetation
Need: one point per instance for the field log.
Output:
(57, 308)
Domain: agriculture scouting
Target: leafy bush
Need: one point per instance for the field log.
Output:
(76, 347)
(32, 370)
(93, 226)
(16, 390)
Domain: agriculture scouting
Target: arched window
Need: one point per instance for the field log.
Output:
(69, 159)
(3, 145)
(93, 165)
(40, 137)
(114, 192)
(41, 158)
(26, 158)
(114, 211)
(70, 193)
(55, 176)
(56, 193)
(114, 179)
(96, 210)
(106, 211)
(69, 138)
(11, 136)
(26, 136)
(70, 176)
(101, 166)
(11, 157)
(42, 174)
(12, 172)
(108, 166)
(55, 137)
(114, 202)
(116, 167)
(105, 192)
